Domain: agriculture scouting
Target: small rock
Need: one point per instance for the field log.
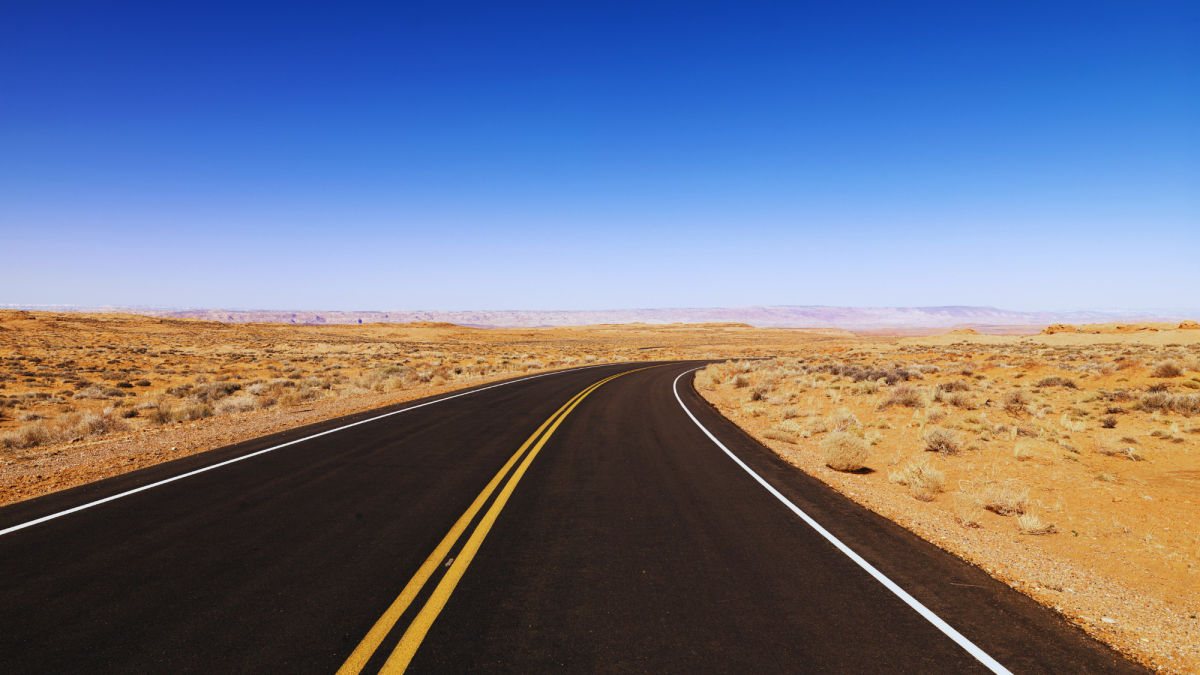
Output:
(1105, 619)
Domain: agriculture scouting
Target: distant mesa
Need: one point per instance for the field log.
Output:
(1189, 325)
(885, 320)
(1059, 328)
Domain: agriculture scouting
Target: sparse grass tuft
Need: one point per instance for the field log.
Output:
(1031, 524)
(923, 480)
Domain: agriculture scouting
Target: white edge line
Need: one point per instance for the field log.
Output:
(934, 619)
(89, 505)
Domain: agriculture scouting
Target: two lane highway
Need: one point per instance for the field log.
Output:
(616, 536)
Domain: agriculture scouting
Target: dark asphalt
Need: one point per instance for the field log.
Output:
(632, 544)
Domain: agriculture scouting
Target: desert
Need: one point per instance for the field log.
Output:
(1064, 462)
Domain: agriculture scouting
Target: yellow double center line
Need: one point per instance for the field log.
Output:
(403, 654)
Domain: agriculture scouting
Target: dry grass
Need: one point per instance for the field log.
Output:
(1002, 498)
(1025, 417)
(844, 451)
(1030, 524)
(781, 435)
(923, 480)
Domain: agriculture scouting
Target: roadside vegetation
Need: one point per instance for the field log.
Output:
(1086, 453)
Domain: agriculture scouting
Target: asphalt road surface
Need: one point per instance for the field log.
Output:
(540, 526)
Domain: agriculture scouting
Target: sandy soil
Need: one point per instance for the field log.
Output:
(1101, 523)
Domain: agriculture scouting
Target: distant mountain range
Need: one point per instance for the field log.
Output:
(853, 318)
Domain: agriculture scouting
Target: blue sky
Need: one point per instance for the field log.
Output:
(600, 155)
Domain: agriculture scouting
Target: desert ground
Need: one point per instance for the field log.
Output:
(1063, 462)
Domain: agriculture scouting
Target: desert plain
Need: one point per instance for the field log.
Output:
(1063, 462)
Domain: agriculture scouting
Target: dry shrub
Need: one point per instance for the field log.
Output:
(1031, 524)
(237, 404)
(905, 395)
(707, 378)
(69, 427)
(1003, 499)
(163, 414)
(304, 394)
(1184, 404)
(780, 435)
(816, 426)
(957, 385)
(1108, 450)
(1056, 381)
(923, 480)
(967, 511)
(97, 393)
(962, 400)
(193, 410)
(842, 420)
(1167, 369)
(1108, 422)
(866, 387)
(741, 381)
(942, 441)
(1015, 401)
(28, 436)
(844, 451)
(97, 424)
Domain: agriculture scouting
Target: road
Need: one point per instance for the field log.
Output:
(519, 528)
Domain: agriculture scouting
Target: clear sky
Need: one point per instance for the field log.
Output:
(570, 155)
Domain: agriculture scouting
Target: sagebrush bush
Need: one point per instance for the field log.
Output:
(193, 410)
(942, 441)
(960, 399)
(1056, 381)
(844, 451)
(1184, 404)
(905, 395)
(1167, 369)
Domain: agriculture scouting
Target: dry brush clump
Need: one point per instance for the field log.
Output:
(904, 395)
(843, 451)
(942, 441)
(1183, 404)
(1167, 369)
(1003, 498)
(1029, 523)
(923, 480)
(65, 428)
